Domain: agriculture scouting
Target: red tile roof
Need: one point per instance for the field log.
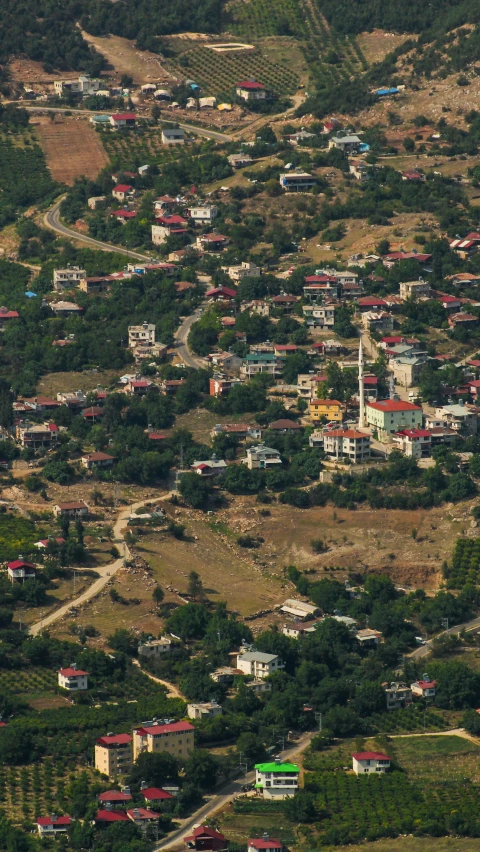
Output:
(124, 116)
(59, 820)
(370, 755)
(170, 728)
(414, 433)
(115, 796)
(142, 813)
(250, 84)
(367, 301)
(111, 816)
(155, 794)
(221, 291)
(19, 563)
(69, 672)
(265, 843)
(346, 433)
(122, 187)
(426, 684)
(115, 739)
(391, 405)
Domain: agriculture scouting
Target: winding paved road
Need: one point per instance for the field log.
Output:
(468, 626)
(181, 337)
(52, 220)
(223, 797)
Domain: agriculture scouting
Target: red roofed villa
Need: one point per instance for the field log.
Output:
(370, 762)
(251, 90)
(72, 679)
(207, 838)
(52, 825)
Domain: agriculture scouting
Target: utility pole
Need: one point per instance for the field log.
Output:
(318, 718)
(74, 581)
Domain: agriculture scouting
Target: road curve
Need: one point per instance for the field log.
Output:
(52, 220)
(468, 626)
(181, 337)
(219, 800)
(106, 572)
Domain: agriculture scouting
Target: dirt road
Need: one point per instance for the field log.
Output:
(106, 572)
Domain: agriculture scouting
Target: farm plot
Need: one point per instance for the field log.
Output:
(218, 73)
(34, 681)
(72, 148)
(32, 791)
(134, 148)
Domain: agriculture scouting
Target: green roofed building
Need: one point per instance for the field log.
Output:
(277, 780)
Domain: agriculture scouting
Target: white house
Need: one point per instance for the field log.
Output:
(262, 457)
(251, 90)
(370, 762)
(277, 780)
(297, 181)
(203, 214)
(73, 679)
(69, 277)
(424, 688)
(321, 316)
(173, 136)
(18, 571)
(258, 664)
(264, 844)
(246, 269)
(52, 825)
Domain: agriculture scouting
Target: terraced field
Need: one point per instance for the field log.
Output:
(217, 73)
(136, 148)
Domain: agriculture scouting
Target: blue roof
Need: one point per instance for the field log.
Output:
(363, 147)
(381, 92)
(30, 294)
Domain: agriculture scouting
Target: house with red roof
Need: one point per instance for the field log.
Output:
(93, 413)
(389, 260)
(106, 817)
(44, 542)
(71, 510)
(18, 571)
(124, 215)
(72, 679)
(36, 435)
(113, 798)
(211, 242)
(462, 319)
(123, 192)
(415, 175)
(125, 119)
(154, 795)
(142, 816)
(174, 737)
(371, 303)
(464, 248)
(370, 762)
(95, 461)
(251, 90)
(450, 303)
(219, 294)
(346, 444)
(52, 825)
(6, 315)
(414, 443)
(388, 416)
(205, 838)
(264, 844)
(282, 350)
(137, 387)
(285, 427)
(424, 688)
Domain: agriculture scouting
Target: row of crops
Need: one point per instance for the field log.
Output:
(465, 565)
(32, 791)
(331, 58)
(137, 147)
(218, 73)
(34, 680)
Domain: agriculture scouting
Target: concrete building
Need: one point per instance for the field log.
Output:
(64, 279)
(18, 571)
(203, 213)
(261, 362)
(36, 435)
(378, 321)
(53, 825)
(390, 415)
(251, 90)
(71, 510)
(346, 445)
(155, 648)
(408, 369)
(319, 316)
(297, 181)
(414, 443)
(246, 269)
(415, 289)
(204, 710)
(346, 144)
(370, 762)
(424, 687)
(459, 417)
(299, 609)
(173, 136)
(258, 664)
(113, 754)
(173, 737)
(398, 695)
(277, 780)
(140, 334)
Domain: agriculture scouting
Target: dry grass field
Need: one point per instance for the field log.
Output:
(124, 58)
(377, 44)
(72, 148)
(52, 383)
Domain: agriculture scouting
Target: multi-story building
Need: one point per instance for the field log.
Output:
(174, 737)
(71, 510)
(392, 415)
(370, 762)
(84, 85)
(258, 664)
(251, 90)
(346, 444)
(71, 276)
(72, 679)
(459, 417)
(398, 695)
(319, 316)
(414, 443)
(330, 409)
(261, 457)
(424, 688)
(277, 780)
(297, 181)
(36, 435)
(203, 213)
(141, 334)
(414, 289)
(113, 754)
(204, 710)
(260, 362)
(246, 269)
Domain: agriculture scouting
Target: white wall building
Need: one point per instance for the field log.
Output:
(70, 277)
(73, 679)
(370, 762)
(144, 333)
(277, 780)
(258, 664)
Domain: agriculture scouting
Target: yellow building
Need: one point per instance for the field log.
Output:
(113, 754)
(174, 737)
(331, 409)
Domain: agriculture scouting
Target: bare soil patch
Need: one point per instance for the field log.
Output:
(72, 148)
(143, 66)
(377, 44)
(53, 383)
